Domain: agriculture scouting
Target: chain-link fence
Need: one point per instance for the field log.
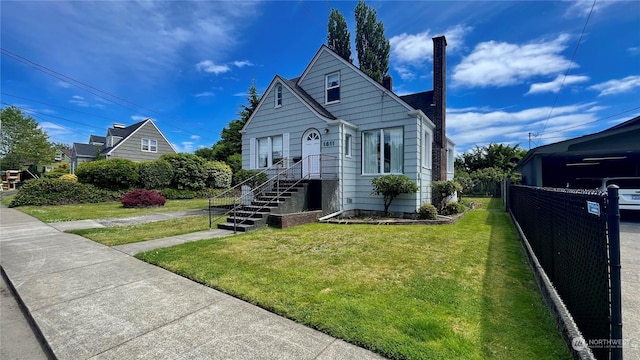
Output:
(567, 230)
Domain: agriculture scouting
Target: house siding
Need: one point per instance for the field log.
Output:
(131, 147)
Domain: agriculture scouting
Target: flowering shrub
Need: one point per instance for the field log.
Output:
(69, 177)
(142, 198)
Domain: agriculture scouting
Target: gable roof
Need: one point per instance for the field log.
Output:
(124, 132)
(131, 130)
(326, 49)
(97, 139)
(85, 150)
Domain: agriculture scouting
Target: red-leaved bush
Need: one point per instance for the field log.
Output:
(142, 198)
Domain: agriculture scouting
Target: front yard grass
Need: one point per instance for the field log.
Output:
(113, 209)
(460, 291)
(119, 235)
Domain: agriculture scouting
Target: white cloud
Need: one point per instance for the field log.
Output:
(138, 117)
(132, 40)
(195, 137)
(501, 64)
(555, 85)
(210, 67)
(514, 127)
(204, 94)
(242, 63)
(82, 102)
(63, 84)
(581, 8)
(184, 147)
(411, 51)
(617, 86)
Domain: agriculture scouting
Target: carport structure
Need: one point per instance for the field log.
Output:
(614, 152)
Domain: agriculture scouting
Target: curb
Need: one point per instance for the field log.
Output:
(27, 315)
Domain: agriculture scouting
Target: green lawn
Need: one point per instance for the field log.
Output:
(461, 291)
(120, 235)
(114, 209)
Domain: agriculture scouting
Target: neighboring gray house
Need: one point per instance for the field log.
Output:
(138, 142)
(342, 126)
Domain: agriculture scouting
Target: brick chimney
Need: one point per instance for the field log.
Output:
(387, 82)
(440, 108)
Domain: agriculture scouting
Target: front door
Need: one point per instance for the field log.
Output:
(311, 154)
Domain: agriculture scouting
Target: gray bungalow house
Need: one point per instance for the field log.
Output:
(346, 128)
(138, 142)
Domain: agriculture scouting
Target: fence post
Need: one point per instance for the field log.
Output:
(209, 213)
(613, 221)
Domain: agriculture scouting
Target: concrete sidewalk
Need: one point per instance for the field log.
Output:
(92, 301)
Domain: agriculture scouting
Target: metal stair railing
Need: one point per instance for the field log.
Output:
(223, 203)
(328, 169)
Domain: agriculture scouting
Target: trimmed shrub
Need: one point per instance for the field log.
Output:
(427, 212)
(69, 177)
(442, 191)
(390, 186)
(453, 208)
(57, 192)
(57, 172)
(155, 174)
(189, 171)
(235, 162)
(175, 194)
(243, 175)
(218, 175)
(142, 198)
(114, 174)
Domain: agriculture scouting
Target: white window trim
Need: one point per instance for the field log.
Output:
(327, 88)
(451, 160)
(278, 96)
(381, 144)
(348, 145)
(427, 148)
(148, 141)
(269, 152)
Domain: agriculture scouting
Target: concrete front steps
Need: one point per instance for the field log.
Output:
(254, 216)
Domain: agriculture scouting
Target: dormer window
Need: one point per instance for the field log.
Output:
(278, 101)
(332, 88)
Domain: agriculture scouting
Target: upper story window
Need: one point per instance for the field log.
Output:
(278, 101)
(332, 88)
(383, 151)
(149, 145)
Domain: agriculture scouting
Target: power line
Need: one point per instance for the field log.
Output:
(590, 122)
(311, 14)
(56, 106)
(575, 51)
(83, 86)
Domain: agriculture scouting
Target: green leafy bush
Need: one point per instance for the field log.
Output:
(453, 208)
(218, 175)
(69, 177)
(57, 192)
(175, 194)
(155, 174)
(390, 186)
(114, 174)
(189, 171)
(57, 172)
(442, 191)
(427, 212)
(243, 175)
(142, 198)
(235, 162)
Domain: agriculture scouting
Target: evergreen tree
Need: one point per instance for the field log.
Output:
(230, 142)
(338, 36)
(372, 46)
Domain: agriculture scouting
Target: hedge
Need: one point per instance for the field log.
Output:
(218, 175)
(113, 174)
(155, 174)
(46, 191)
(189, 171)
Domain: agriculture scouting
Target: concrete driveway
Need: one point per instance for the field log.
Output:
(630, 260)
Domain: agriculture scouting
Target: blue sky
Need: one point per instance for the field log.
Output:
(80, 66)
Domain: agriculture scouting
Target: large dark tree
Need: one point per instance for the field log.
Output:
(22, 142)
(372, 46)
(230, 142)
(338, 36)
